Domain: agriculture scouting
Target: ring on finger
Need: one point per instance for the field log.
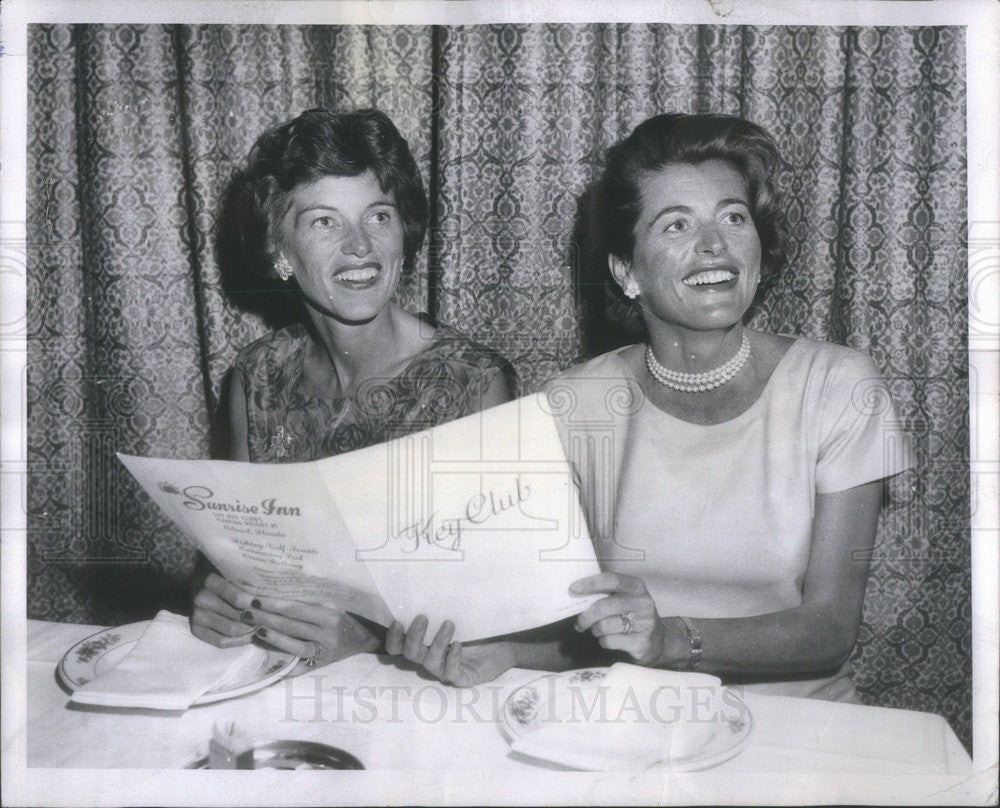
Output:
(628, 622)
(313, 661)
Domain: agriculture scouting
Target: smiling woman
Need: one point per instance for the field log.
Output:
(731, 478)
(696, 259)
(344, 209)
(343, 238)
(345, 213)
(746, 467)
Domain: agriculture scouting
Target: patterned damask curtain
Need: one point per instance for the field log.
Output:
(136, 130)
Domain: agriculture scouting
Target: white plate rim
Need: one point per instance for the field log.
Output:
(133, 631)
(696, 763)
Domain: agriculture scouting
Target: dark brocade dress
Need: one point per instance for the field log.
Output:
(446, 380)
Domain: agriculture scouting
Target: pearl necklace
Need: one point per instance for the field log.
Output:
(698, 382)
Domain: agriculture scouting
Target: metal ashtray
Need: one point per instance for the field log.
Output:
(291, 755)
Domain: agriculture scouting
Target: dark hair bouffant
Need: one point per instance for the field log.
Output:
(674, 138)
(322, 143)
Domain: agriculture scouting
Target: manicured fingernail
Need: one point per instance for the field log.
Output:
(576, 627)
(255, 603)
(261, 632)
(247, 617)
(575, 587)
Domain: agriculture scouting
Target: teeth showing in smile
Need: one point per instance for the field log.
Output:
(710, 276)
(358, 275)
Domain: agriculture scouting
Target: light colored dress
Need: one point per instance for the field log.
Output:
(717, 519)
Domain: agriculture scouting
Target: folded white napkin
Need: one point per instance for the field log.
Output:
(168, 669)
(644, 716)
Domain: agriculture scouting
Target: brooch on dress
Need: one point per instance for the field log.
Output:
(281, 442)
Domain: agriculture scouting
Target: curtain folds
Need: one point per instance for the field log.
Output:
(136, 308)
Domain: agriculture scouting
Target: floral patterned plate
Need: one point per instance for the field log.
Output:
(100, 652)
(575, 697)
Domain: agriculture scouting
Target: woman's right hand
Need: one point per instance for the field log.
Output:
(220, 613)
(626, 620)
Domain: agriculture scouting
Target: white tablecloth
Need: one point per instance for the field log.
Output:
(394, 719)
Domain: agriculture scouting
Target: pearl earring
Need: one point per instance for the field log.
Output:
(631, 289)
(283, 268)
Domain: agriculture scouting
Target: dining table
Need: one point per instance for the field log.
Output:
(421, 741)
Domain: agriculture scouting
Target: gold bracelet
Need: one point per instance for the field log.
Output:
(694, 640)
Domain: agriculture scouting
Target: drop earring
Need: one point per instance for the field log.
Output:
(283, 268)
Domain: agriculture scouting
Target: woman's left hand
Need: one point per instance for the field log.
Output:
(626, 620)
(462, 666)
(318, 634)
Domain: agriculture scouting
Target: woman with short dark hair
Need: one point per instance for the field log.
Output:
(731, 478)
(679, 138)
(345, 213)
(321, 143)
(743, 479)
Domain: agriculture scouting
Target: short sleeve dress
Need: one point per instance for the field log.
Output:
(717, 519)
(445, 381)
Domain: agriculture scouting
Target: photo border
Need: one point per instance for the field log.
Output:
(25, 786)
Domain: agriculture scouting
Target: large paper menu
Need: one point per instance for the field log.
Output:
(476, 521)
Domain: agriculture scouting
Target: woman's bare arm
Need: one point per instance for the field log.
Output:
(499, 392)
(239, 445)
(813, 638)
